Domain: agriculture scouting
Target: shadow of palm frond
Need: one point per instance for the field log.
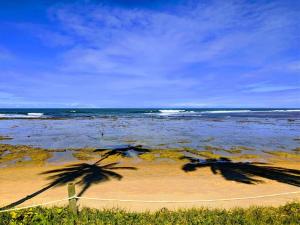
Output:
(83, 174)
(244, 172)
(138, 150)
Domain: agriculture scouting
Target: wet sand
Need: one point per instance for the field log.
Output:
(150, 181)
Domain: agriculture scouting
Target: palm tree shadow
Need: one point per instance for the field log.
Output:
(244, 172)
(125, 151)
(83, 174)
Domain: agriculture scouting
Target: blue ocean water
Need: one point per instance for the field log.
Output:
(262, 129)
(150, 112)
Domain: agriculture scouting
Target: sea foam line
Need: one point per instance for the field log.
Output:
(28, 115)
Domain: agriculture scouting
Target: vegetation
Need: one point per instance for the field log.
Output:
(212, 148)
(173, 154)
(129, 141)
(244, 156)
(297, 150)
(208, 155)
(183, 141)
(149, 156)
(82, 155)
(208, 139)
(22, 154)
(282, 154)
(238, 149)
(233, 151)
(85, 154)
(287, 214)
(2, 138)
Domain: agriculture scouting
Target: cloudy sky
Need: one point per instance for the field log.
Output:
(150, 53)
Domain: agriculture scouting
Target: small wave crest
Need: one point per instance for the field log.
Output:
(167, 112)
(253, 111)
(286, 110)
(227, 111)
(16, 116)
(184, 112)
(35, 114)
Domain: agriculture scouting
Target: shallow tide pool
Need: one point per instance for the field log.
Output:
(155, 132)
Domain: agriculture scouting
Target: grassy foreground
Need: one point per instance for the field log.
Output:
(287, 214)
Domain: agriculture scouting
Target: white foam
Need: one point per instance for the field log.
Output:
(29, 115)
(171, 110)
(35, 114)
(286, 110)
(252, 111)
(167, 112)
(227, 111)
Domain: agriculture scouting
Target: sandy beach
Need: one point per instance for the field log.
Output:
(150, 181)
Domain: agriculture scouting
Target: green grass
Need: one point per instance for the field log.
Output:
(288, 214)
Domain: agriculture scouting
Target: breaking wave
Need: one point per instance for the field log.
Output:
(167, 112)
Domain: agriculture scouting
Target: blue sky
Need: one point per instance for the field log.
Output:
(149, 53)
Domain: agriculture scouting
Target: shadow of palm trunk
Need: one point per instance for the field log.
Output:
(22, 200)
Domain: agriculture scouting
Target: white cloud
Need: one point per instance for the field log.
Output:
(263, 87)
(156, 43)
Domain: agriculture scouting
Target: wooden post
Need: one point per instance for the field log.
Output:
(72, 193)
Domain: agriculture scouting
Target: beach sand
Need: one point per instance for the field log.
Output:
(150, 181)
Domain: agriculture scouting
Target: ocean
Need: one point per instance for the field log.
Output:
(258, 128)
(149, 112)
